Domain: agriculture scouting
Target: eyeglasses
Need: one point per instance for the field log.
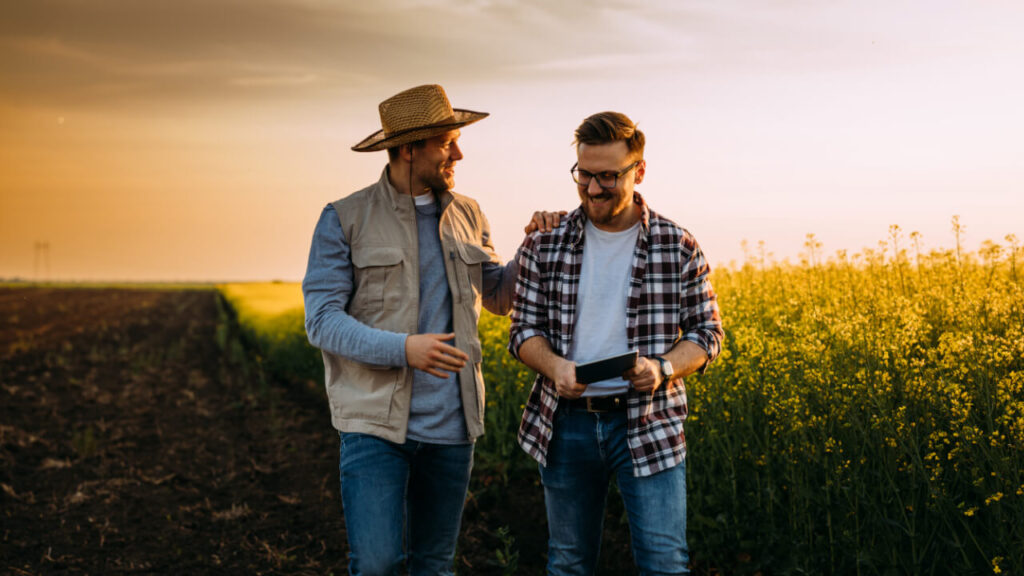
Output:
(606, 180)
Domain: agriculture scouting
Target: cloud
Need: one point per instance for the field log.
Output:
(119, 52)
(187, 51)
(198, 52)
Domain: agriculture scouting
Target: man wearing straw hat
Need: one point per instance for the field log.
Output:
(396, 276)
(615, 279)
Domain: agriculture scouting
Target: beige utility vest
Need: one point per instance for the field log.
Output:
(380, 227)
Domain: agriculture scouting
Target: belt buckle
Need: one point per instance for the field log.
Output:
(594, 409)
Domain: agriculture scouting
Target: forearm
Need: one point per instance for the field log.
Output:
(342, 335)
(686, 358)
(536, 353)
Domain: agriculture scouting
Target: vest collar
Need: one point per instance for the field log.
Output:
(401, 201)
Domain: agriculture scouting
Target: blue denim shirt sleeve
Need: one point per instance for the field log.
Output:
(499, 286)
(326, 289)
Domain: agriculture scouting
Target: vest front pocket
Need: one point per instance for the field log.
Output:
(377, 280)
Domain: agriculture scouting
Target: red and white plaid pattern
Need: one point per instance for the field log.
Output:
(670, 298)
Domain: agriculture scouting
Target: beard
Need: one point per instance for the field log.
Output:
(436, 181)
(611, 208)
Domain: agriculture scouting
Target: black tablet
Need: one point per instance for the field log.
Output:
(606, 368)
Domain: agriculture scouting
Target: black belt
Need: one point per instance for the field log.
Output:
(598, 403)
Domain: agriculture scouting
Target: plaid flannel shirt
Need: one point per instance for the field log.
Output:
(670, 298)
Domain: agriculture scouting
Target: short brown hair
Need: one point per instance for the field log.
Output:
(608, 127)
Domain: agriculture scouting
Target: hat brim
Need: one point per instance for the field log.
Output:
(379, 141)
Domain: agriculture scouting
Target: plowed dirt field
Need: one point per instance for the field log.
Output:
(129, 443)
(138, 436)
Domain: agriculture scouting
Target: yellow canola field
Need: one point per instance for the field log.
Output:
(866, 415)
(263, 299)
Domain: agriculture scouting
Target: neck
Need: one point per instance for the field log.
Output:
(623, 221)
(398, 176)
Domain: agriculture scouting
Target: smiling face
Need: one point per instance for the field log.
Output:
(612, 209)
(433, 165)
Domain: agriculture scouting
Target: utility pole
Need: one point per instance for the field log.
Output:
(42, 260)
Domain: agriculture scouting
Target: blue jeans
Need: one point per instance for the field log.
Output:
(586, 450)
(413, 491)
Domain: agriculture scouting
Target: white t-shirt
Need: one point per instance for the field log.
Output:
(601, 303)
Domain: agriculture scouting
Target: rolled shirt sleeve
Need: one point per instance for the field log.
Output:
(529, 310)
(699, 318)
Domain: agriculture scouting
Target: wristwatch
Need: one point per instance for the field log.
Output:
(666, 367)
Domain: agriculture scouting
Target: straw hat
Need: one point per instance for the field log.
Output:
(416, 114)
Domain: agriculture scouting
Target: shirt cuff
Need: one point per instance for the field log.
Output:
(520, 336)
(699, 341)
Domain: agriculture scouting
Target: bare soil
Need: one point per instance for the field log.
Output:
(135, 437)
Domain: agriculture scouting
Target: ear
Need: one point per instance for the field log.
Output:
(640, 168)
(405, 153)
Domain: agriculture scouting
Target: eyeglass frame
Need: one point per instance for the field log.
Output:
(576, 169)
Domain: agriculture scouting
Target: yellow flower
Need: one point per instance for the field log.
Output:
(994, 498)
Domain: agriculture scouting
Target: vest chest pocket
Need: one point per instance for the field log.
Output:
(469, 261)
(377, 278)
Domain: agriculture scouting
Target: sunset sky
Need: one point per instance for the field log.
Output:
(199, 139)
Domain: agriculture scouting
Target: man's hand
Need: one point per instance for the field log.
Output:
(645, 376)
(544, 221)
(564, 376)
(429, 353)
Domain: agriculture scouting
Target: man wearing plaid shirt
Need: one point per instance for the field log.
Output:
(613, 277)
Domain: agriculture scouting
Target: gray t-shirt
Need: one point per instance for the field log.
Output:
(435, 411)
(601, 303)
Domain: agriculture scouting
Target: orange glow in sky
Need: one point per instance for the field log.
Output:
(199, 140)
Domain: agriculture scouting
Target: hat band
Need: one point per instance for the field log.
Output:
(449, 121)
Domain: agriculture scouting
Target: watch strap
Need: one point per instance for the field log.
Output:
(665, 365)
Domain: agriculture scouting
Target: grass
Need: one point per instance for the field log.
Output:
(270, 316)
